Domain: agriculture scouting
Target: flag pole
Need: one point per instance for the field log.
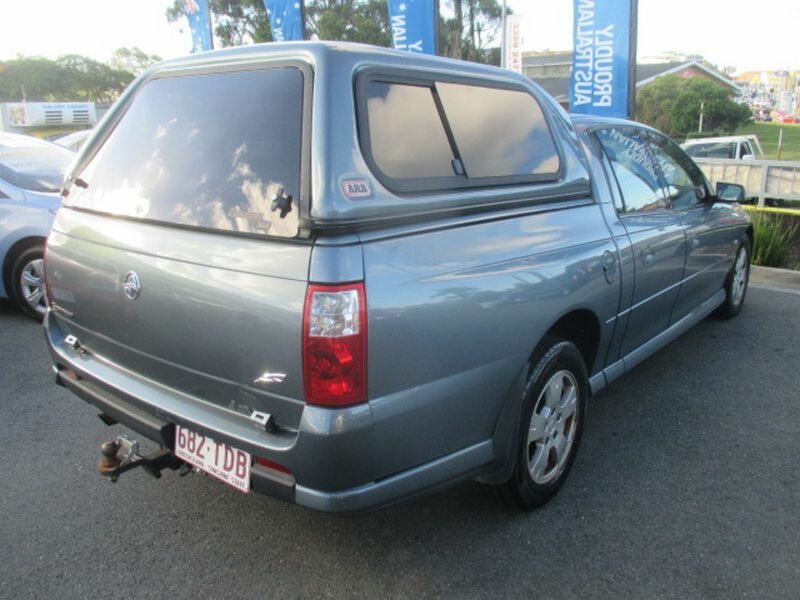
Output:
(503, 58)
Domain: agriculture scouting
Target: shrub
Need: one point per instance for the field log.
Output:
(772, 240)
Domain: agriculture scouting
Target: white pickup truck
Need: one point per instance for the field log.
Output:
(742, 147)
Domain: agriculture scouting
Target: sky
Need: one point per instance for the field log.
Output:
(747, 36)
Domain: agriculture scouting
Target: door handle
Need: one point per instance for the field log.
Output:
(695, 242)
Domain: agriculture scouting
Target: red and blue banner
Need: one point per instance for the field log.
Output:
(200, 24)
(604, 54)
(286, 19)
(414, 25)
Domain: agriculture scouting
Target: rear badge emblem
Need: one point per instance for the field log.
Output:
(356, 188)
(270, 378)
(131, 285)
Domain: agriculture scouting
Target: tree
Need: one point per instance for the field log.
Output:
(133, 60)
(467, 35)
(474, 32)
(70, 77)
(238, 22)
(672, 104)
(235, 22)
(364, 21)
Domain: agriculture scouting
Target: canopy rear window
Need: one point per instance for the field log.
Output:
(209, 151)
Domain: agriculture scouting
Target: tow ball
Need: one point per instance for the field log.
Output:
(122, 455)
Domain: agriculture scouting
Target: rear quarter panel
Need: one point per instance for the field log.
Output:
(455, 313)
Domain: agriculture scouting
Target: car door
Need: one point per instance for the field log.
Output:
(710, 244)
(655, 231)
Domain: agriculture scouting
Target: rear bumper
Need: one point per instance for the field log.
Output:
(329, 455)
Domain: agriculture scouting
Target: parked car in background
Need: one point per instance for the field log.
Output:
(74, 141)
(380, 274)
(31, 174)
(743, 147)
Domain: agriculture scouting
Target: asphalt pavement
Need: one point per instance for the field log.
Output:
(687, 485)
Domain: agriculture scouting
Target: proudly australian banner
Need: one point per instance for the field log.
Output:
(200, 24)
(286, 19)
(414, 25)
(600, 64)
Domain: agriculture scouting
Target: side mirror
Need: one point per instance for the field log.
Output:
(730, 192)
(748, 157)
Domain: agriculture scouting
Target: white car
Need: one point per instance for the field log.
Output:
(31, 174)
(74, 141)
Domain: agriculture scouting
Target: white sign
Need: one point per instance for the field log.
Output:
(513, 49)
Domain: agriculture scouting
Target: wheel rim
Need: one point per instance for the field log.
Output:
(739, 277)
(551, 432)
(31, 283)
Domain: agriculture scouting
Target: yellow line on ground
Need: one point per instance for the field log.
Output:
(772, 209)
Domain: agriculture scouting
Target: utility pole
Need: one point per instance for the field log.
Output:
(503, 37)
(700, 127)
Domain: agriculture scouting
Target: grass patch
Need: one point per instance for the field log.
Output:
(773, 239)
(768, 136)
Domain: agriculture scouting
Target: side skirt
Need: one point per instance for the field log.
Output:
(628, 362)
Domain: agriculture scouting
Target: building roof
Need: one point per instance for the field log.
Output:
(558, 87)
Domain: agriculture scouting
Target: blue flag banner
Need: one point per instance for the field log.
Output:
(601, 60)
(200, 24)
(414, 25)
(286, 19)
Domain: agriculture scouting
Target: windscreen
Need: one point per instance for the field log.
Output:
(37, 169)
(712, 150)
(219, 151)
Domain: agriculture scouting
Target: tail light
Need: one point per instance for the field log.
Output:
(335, 344)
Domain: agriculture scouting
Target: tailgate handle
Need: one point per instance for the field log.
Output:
(281, 202)
(260, 418)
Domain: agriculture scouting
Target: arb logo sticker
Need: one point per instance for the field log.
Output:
(356, 188)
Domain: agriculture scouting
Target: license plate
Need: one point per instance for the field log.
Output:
(219, 460)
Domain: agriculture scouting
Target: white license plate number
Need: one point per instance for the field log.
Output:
(229, 465)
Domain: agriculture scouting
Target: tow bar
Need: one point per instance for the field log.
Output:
(122, 455)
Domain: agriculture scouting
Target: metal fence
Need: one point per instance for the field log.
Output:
(775, 183)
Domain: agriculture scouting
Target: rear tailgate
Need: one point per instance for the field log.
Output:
(215, 315)
(194, 191)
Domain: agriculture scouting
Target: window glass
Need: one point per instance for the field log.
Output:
(634, 169)
(406, 135)
(712, 150)
(498, 132)
(682, 177)
(205, 151)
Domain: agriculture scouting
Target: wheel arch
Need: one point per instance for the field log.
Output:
(17, 248)
(581, 327)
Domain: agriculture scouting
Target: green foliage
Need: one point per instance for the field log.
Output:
(773, 239)
(364, 21)
(672, 104)
(70, 77)
(235, 22)
(474, 32)
(133, 60)
(238, 22)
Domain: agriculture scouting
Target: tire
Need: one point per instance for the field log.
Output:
(549, 434)
(27, 282)
(736, 282)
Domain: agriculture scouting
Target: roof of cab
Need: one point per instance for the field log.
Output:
(588, 121)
